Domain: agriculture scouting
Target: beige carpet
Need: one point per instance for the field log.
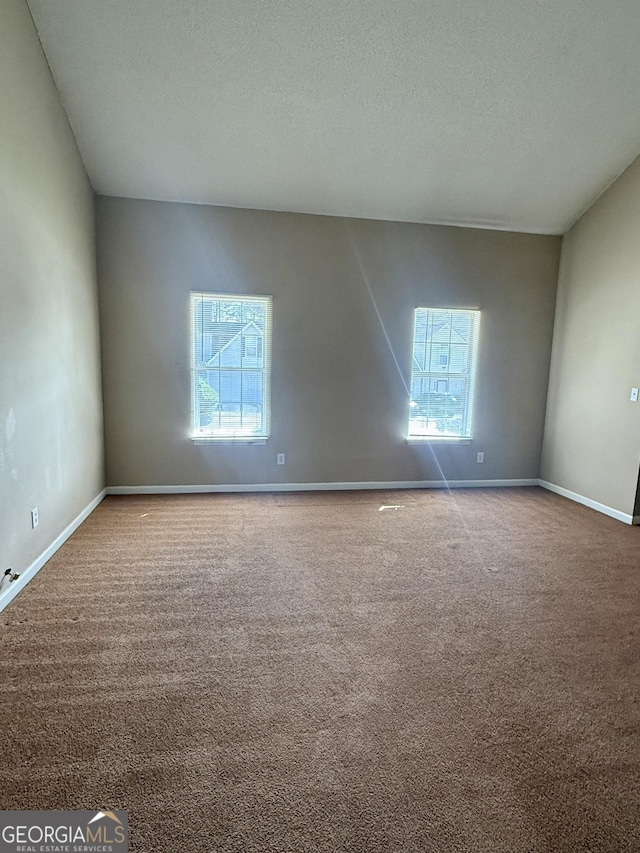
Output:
(305, 672)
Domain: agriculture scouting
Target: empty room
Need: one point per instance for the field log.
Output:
(319, 426)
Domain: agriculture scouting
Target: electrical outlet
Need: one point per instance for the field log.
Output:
(34, 518)
(481, 456)
(280, 458)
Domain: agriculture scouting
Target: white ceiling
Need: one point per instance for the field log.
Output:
(495, 113)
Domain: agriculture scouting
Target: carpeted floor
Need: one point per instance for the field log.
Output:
(305, 672)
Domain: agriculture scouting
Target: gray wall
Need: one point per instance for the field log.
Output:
(51, 452)
(339, 370)
(592, 438)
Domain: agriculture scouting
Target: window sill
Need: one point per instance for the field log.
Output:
(434, 439)
(242, 439)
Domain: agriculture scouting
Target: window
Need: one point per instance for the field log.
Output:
(251, 346)
(445, 344)
(230, 369)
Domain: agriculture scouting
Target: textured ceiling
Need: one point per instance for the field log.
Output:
(495, 113)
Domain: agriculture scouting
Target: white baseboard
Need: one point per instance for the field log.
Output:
(28, 574)
(316, 487)
(581, 499)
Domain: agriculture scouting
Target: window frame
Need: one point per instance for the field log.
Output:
(265, 370)
(436, 374)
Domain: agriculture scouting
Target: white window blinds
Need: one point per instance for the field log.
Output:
(230, 366)
(445, 346)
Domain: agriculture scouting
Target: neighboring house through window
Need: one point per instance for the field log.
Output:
(230, 366)
(445, 343)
